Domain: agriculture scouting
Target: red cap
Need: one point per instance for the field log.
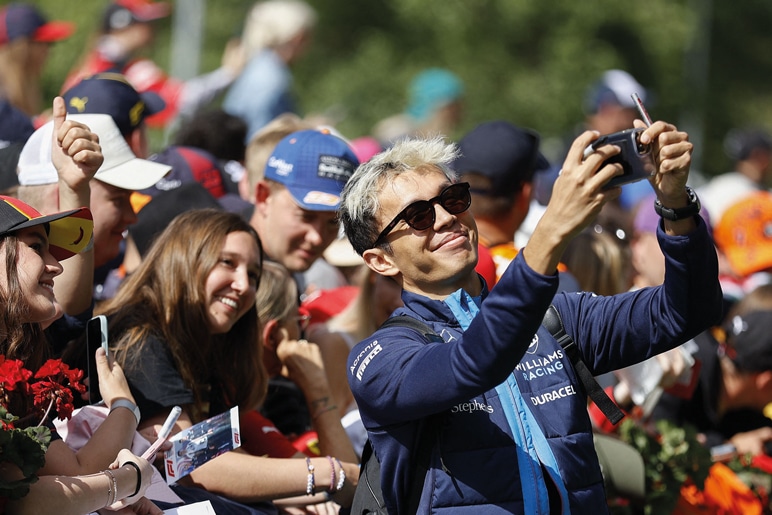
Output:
(69, 232)
(146, 10)
(22, 20)
(122, 13)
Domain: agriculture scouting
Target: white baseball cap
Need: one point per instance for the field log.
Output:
(121, 168)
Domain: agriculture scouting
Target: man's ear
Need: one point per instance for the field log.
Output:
(380, 262)
(522, 202)
(262, 192)
(526, 192)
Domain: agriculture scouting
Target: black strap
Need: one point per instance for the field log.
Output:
(414, 324)
(554, 325)
(369, 485)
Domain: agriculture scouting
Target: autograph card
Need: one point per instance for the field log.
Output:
(202, 442)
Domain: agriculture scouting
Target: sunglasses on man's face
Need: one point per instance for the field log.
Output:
(420, 215)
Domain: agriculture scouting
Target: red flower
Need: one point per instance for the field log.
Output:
(55, 370)
(54, 385)
(47, 391)
(13, 375)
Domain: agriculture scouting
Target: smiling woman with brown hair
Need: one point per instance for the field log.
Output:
(185, 327)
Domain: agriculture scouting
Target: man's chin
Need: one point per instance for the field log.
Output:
(300, 263)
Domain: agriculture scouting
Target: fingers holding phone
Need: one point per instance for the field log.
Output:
(96, 338)
(106, 378)
(112, 381)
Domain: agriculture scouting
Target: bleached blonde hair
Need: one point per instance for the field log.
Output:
(359, 201)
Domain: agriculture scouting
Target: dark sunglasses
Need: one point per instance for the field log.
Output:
(420, 215)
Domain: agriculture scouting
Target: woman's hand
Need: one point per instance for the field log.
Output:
(112, 382)
(133, 463)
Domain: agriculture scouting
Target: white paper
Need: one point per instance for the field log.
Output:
(199, 508)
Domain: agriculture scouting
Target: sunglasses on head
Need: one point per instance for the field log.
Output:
(420, 215)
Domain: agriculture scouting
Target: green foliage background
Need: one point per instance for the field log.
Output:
(529, 62)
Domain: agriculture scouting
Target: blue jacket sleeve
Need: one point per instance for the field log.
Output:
(396, 375)
(618, 331)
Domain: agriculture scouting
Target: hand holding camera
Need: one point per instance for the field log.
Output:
(634, 156)
(655, 151)
(585, 182)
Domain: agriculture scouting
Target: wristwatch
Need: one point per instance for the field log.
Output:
(681, 213)
(125, 403)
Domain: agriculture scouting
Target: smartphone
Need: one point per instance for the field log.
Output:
(96, 336)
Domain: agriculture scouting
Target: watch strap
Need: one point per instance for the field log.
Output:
(125, 403)
(681, 213)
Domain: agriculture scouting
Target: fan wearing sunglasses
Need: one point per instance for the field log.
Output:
(492, 392)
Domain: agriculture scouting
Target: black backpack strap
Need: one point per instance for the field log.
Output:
(554, 325)
(368, 497)
(414, 324)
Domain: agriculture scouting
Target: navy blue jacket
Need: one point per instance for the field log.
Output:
(398, 378)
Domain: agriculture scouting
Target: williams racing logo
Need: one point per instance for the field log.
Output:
(364, 358)
(541, 366)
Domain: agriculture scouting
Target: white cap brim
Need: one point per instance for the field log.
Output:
(135, 174)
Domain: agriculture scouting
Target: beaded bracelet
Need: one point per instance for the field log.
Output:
(115, 487)
(332, 474)
(341, 476)
(311, 482)
(139, 476)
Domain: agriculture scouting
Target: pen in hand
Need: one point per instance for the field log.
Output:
(642, 110)
(594, 145)
(164, 433)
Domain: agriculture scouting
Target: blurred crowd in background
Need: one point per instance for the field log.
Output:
(229, 137)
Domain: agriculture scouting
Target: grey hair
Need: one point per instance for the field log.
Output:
(359, 202)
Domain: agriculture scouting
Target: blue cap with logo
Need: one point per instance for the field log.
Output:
(110, 93)
(313, 165)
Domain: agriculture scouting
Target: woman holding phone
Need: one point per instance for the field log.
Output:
(31, 246)
(185, 328)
